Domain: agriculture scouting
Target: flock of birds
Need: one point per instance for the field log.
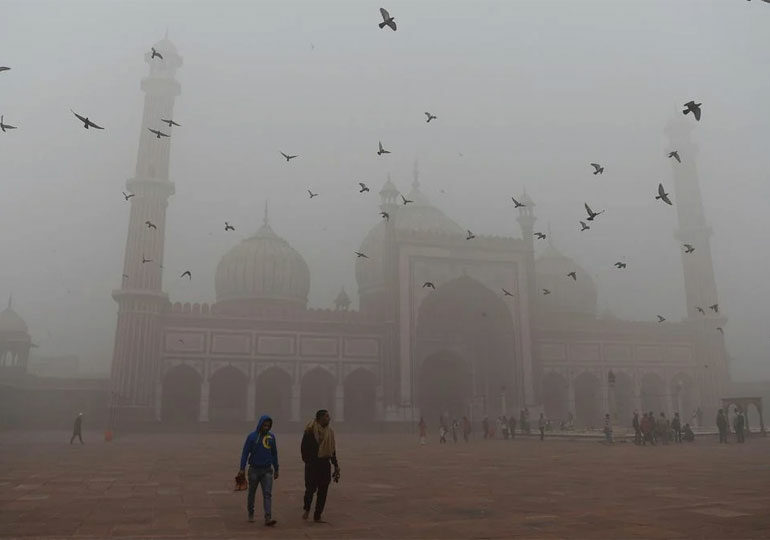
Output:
(691, 107)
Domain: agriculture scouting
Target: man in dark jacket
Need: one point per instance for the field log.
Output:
(77, 429)
(319, 454)
(722, 425)
(261, 452)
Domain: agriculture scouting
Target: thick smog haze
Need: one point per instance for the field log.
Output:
(526, 95)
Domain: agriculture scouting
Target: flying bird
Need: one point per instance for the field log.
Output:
(387, 20)
(430, 117)
(619, 265)
(470, 236)
(661, 318)
(714, 307)
(127, 195)
(170, 122)
(150, 225)
(288, 157)
(360, 255)
(312, 194)
(507, 293)
(546, 291)
(229, 227)
(583, 226)
(591, 214)
(692, 107)
(364, 187)
(385, 216)
(662, 195)
(5, 126)
(598, 169)
(700, 310)
(406, 201)
(573, 275)
(187, 273)
(158, 133)
(4, 68)
(125, 276)
(429, 285)
(688, 248)
(721, 330)
(155, 54)
(517, 204)
(86, 122)
(540, 236)
(382, 150)
(144, 261)
(675, 154)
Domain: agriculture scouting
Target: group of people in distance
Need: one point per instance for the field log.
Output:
(739, 425)
(649, 429)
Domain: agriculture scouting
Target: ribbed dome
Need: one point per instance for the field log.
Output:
(567, 295)
(11, 322)
(263, 267)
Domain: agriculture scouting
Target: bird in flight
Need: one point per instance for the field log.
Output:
(385, 216)
(694, 108)
(470, 236)
(155, 54)
(688, 248)
(288, 157)
(540, 236)
(721, 330)
(700, 310)
(364, 187)
(620, 265)
(86, 122)
(507, 293)
(546, 291)
(429, 285)
(517, 204)
(382, 150)
(229, 227)
(387, 20)
(158, 133)
(150, 225)
(598, 169)
(406, 201)
(5, 126)
(662, 195)
(583, 226)
(591, 213)
(125, 276)
(127, 195)
(4, 68)
(715, 307)
(661, 318)
(430, 117)
(675, 154)
(360, 255)
(312, 194)
(170, 122)
(188, 274)
(573, 275)
(144, 260)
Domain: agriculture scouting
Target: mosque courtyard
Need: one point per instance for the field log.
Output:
(180, 485)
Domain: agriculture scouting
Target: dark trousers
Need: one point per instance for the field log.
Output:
(740, 436)
(318, 475)
(78, 435)
(637, 436)
(542, 433)
(723, 435)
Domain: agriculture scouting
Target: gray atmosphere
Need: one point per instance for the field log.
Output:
(526, 95)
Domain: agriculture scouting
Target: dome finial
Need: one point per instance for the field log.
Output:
(416, 174)
(266, 218)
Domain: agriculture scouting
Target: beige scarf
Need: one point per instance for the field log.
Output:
(324, 436)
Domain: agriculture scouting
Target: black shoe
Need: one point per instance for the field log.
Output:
(251, 518)
(269, 522)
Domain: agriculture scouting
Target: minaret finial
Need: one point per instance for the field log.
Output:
(416, 175)
(266, 219)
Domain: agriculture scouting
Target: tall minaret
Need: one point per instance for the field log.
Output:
(527, 219)
(135, 362)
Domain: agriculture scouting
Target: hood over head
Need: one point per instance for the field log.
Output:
(262, 420)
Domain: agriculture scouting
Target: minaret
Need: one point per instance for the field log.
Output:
(527, 221)
(135, 363)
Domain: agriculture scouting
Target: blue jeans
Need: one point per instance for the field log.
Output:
(263, 476)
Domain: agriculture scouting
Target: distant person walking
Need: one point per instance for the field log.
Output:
(648, 429)
(689, 436)
(739, 423)
(77, 429)
(261, 453)
(722, 425)
(423, 432)
(455, 429)
(541, 426)
(466, 428)
(442, 432)
(319, 453)
(637, 428)
(608, 428)
(676, 428)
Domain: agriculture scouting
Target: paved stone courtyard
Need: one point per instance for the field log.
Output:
(181, 485)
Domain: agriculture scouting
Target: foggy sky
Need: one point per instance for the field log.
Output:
(528, 92)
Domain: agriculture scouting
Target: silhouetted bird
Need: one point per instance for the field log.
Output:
(150, 225)
(470, 236)
(187, 273)
(700, 310)
(714, 307)
(387, 20)
(507, 293)
(517, 204)
(583, 226)
(661, 318)
(694, 108)
(86, 122)
(4, 68)
(546, 291)
(540, 236)
(170, 122)
(573, 275)
(288, 157)
(3, 125)
(721, 330)
(620, 265)
(405, 200)
(144, 261)
(598, 169)
(662, 195)
(688, 248)
(364, 187)
(591, 213)
(158, 133)
(125, 276)
(429, 285)
(155, 54)
(312, 194)
(674, 154)
(229, 227)
(381, 150)
(385, 215)
(430, 117)
(127, 195)
(361, 255)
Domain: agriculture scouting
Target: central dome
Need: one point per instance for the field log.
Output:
(11, 322)
(264, 269)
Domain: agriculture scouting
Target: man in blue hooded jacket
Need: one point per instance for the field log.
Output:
(261, 452)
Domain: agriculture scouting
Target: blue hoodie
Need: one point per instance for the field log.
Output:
(260, 450)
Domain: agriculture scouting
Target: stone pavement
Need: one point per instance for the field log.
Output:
(156, 486)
